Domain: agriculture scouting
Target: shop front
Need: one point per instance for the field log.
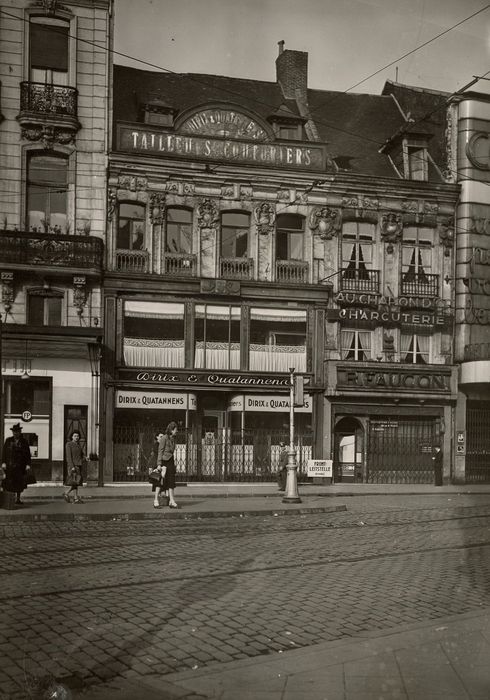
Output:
(385, 421)
(222, 435)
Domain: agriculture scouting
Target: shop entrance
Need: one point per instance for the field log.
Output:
(349, 451)
(214, 443)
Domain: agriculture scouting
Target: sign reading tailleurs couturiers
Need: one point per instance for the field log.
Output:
(156, 400)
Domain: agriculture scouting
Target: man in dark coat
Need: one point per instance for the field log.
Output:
(16, 460)
(437, 460)
(283, 466)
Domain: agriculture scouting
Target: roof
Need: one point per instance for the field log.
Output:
(353, 125)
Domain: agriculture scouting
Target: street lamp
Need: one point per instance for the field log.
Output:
(291, 494)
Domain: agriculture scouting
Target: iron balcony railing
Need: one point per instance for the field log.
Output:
(419, 284)
(51, 249)
(237, 268)
(292, 271)
(132, 260)
(179, 264)
(39, 98)
(359, 280)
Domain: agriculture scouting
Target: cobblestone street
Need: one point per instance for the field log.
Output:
(91, 601)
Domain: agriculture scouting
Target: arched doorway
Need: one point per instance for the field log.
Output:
(349, 450)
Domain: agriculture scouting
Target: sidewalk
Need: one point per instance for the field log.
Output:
(205, 500)
(446, 658)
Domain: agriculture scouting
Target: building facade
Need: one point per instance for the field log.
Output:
(260, 227)
(460, 123)
(55, 96)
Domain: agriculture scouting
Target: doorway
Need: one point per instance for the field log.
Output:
(349, 451)
(214, 444)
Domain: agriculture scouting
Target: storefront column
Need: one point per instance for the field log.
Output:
(327, 429)
(459, 475)
(447, 445)
(108, 429)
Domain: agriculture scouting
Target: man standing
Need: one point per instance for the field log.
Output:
(16, 460)
(283, 466)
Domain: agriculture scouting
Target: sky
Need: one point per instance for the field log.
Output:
(346, 40)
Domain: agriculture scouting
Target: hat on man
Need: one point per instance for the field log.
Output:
(16, 427)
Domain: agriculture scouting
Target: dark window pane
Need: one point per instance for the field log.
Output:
(235, 219)
(32, 395)
(47, 169)
(290, 221)
(123, 234)
(35, 310)
(49, 46)
(53, 310)
(183, 216)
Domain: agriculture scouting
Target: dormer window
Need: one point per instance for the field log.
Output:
(415, 161)
(157, 112)
(287, 125)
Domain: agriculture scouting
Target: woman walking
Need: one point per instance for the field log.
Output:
(165, 461)
(157, 486)
(74, 462)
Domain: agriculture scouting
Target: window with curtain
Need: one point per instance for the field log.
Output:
(289, 237)
(414, 348)
(153, 334)
(235, 227)
(44, 308)
(357, 249)
(131, 226)
(416, 255)
(217, 336)
(47, 192)
(178, 235)
(355, 345)
(48, 51)
(277, 340)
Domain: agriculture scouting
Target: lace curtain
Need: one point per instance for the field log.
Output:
(218, 355)
(145, 352)
(277, 358)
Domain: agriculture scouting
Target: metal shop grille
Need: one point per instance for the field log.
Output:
(250, 455)
(478, 443)
(399, 451)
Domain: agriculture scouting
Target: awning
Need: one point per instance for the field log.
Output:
(165, 400)
(261, 403)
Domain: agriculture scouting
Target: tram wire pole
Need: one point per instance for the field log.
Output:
(291, 494)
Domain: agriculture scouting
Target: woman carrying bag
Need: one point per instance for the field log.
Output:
(166, 466)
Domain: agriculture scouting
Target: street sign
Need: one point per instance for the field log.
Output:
(319, 467)
(26, 416)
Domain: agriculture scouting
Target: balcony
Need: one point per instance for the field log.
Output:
(291, 272)
(359, 280)
(179, 264)
(237, 268)
(419, 284)
(132, 260)
(26, 250)
(42, 104)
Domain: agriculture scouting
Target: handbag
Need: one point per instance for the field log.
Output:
(74, 478)
(29, 478)
(155, 476)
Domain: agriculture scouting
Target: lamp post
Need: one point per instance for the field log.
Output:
(291, 494)
(95, 354)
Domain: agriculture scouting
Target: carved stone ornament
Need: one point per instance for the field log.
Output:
(111, 204)
(391, 225)
(79, 294)
(207, 214)
(431, 208)
(172, 187)
(360, 202)
(264, 217)
(157, 208)
(132, 183)
(410, 206)
(228, 191)
(246, 192)
(325, 221)
(48, 135)
(188, 188)
(7, 280)
(49, 6)
(446, 235)
(283, 195)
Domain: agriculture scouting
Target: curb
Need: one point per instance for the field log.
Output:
(169, 515)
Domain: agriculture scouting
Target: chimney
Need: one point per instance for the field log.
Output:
(292, 72)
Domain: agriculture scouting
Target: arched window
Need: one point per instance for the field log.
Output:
(235, 227)
(289, 237)
(47, 189)
(178, 237)
(131, 226)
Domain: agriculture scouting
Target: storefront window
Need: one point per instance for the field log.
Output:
(415, 348)
(153, 334)
(355, 345)
(28, 395)
(217, 336)
(277, 340)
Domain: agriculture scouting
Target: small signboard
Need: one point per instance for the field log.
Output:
(320, 467)
(461, 442)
